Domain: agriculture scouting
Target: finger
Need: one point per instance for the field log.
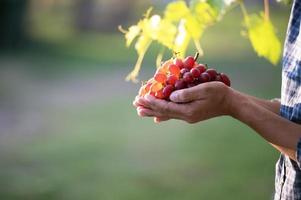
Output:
(141, 101)
(160, 119)
(135, 102)
(190, 94)
(145, 112)
(165, 108)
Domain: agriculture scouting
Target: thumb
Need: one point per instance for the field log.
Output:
(182, 96)
(189, 94)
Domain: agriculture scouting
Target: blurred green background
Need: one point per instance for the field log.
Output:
(67, 126)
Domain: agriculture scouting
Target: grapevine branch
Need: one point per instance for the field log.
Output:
(266, 10)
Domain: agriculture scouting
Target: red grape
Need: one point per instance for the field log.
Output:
(188, 77)
(180, 84)
(184, 70)
(156, 87)
(212, 73)
(174, 69)
(195, 72)
(142, 91)
(189, 62)
(179, 63)
(205, 77)
(148, 86)
(177, 74)
(152, 94)
(201, 67)
(168, 90)
(171, 79)
(161, 78)
(159, 94)
(225, 79)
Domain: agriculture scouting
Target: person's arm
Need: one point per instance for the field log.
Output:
(215, 99)
(280, 132)
(272, 105)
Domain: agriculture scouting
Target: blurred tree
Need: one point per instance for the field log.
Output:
(103, 15)
(12, 29)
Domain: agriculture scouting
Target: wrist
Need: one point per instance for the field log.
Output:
(235, 103)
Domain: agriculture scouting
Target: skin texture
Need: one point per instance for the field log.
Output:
(215, 99)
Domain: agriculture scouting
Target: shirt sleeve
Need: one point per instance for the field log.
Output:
(298, 153)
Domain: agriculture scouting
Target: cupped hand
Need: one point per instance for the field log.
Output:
(192, 105)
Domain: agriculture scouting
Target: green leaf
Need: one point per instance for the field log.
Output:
(176, 11)
(263, 38)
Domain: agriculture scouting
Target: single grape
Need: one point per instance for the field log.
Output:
(188, 77)
(189, 62)
(183, 71)
(152, 94)
(161, 78)
(163, 69)
(195, 72)
(179, 63)
(226, 79)
(167, 90)
(142, 91)
(174, 69)
(159, 94)
(205, 77)
(171, 79)
(201, 67)
(212, 73)
(180, 84)
(148, 86)
(195, 64)
(156, 87)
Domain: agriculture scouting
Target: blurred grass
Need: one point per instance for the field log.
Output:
(102, 150)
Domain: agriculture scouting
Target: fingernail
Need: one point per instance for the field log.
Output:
(156, 120)
(174, 96)
(140, 113)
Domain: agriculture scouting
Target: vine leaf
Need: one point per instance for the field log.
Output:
(263, 38)
(176, 10)
(141, 47)
(131, 34)
(182, 40)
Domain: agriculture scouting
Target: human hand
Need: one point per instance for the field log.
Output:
(192, 105)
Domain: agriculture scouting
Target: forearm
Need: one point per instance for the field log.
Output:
(282, 133)
(272, 105)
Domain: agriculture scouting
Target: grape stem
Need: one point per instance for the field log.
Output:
(266, 10)
(196, 56)
(244, 10)
(132, 76)
(198, 47)
(160, 57)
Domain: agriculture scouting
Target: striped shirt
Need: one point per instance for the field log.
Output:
(288, 172)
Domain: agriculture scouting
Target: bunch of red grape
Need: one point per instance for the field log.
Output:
(177, 74)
